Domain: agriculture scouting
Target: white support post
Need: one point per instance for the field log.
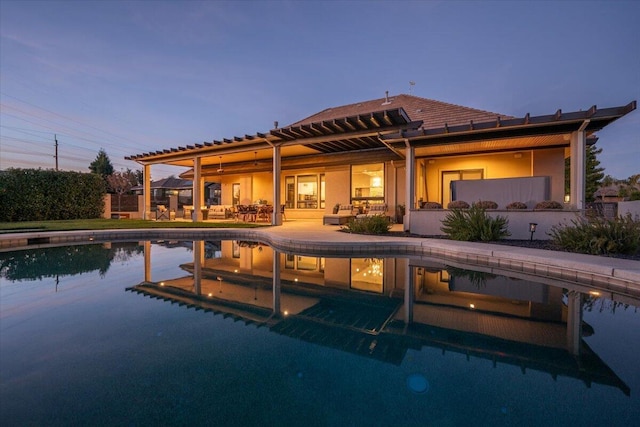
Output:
(409, 295)
(197, 189)
(146, 190)
(578, 167)
(276, 283)
(410, 161)
(147, 260)
(574, 322)
(198, 260)
(276, 218)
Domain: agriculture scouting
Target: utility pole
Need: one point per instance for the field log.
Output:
(55, 138)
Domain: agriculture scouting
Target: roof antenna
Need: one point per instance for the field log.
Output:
(386, 98)
(275, 124)
(411, 85)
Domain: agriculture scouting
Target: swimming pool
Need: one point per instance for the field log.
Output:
(172, 332)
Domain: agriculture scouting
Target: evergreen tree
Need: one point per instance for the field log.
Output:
(593, 174)
(101, 165)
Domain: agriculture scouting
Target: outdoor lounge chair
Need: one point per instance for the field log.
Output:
(345, 213)
(377, 209)
(163, 213)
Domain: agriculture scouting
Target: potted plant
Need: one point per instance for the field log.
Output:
(400, 211)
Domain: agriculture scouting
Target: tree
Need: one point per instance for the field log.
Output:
(119, 183)
(101, 165)
(593, 173)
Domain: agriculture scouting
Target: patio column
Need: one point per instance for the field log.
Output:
(410, 162)
(409, 295)
(147, 260)
(276, 218)
(146, 190)
(276, 283)
(198, 259)
(578, 167)
(574, 322)
(197, 189)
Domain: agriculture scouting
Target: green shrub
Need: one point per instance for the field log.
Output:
(458, 204)
(485, 204)
(40, 195)
(549, 204)
(378, 224)
(431, 205)
(516, 205)
(599, 236)
(474, 224)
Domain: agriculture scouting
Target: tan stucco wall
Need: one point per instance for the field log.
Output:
(338, 181)
(551, 163)
(507, 165)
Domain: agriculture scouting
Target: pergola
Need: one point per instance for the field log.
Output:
(387, 134)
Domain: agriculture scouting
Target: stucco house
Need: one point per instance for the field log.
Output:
(400, 150)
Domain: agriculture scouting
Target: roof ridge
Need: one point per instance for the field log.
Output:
(455, 105)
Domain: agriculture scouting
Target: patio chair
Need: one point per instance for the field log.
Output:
(163, 213)
(284, 216)
(377, 209)
(187, 211)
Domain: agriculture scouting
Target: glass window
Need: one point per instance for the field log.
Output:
(367, 274)
(290, 192)
(367, 184)
(307, 192)
(304, 191)
(322, 191)
(236, 194)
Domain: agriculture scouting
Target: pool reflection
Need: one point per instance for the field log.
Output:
(380, 308)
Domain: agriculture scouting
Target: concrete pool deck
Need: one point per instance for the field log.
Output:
(304, 237)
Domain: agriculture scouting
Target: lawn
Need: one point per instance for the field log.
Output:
(108, 224)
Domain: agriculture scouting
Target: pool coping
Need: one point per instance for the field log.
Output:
(614, 274)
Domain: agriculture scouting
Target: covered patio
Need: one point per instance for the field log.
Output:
(415, 145)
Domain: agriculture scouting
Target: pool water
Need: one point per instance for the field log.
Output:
(96, 342)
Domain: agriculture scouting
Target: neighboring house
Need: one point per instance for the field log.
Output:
(401, 150)
(182, 188)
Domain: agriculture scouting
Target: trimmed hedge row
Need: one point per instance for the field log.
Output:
(44, 195)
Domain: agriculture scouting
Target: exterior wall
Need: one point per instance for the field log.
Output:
(632, 208)
(263, 187)
(506, 165)
(338, 182)
(427, 222)
(551, 163)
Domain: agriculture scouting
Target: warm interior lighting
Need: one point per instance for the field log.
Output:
(161, 283)
(376, 181)
(235, 271)
(567, 198)
(210, 294)
(594, 293)
(472, 306)
(295, 280)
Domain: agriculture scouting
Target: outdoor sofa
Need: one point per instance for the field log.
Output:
(345, 213)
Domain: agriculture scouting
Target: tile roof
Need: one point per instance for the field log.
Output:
(433, 114)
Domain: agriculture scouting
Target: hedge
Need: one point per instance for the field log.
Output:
(44, 195)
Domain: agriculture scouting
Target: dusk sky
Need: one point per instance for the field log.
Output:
(134, 77)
